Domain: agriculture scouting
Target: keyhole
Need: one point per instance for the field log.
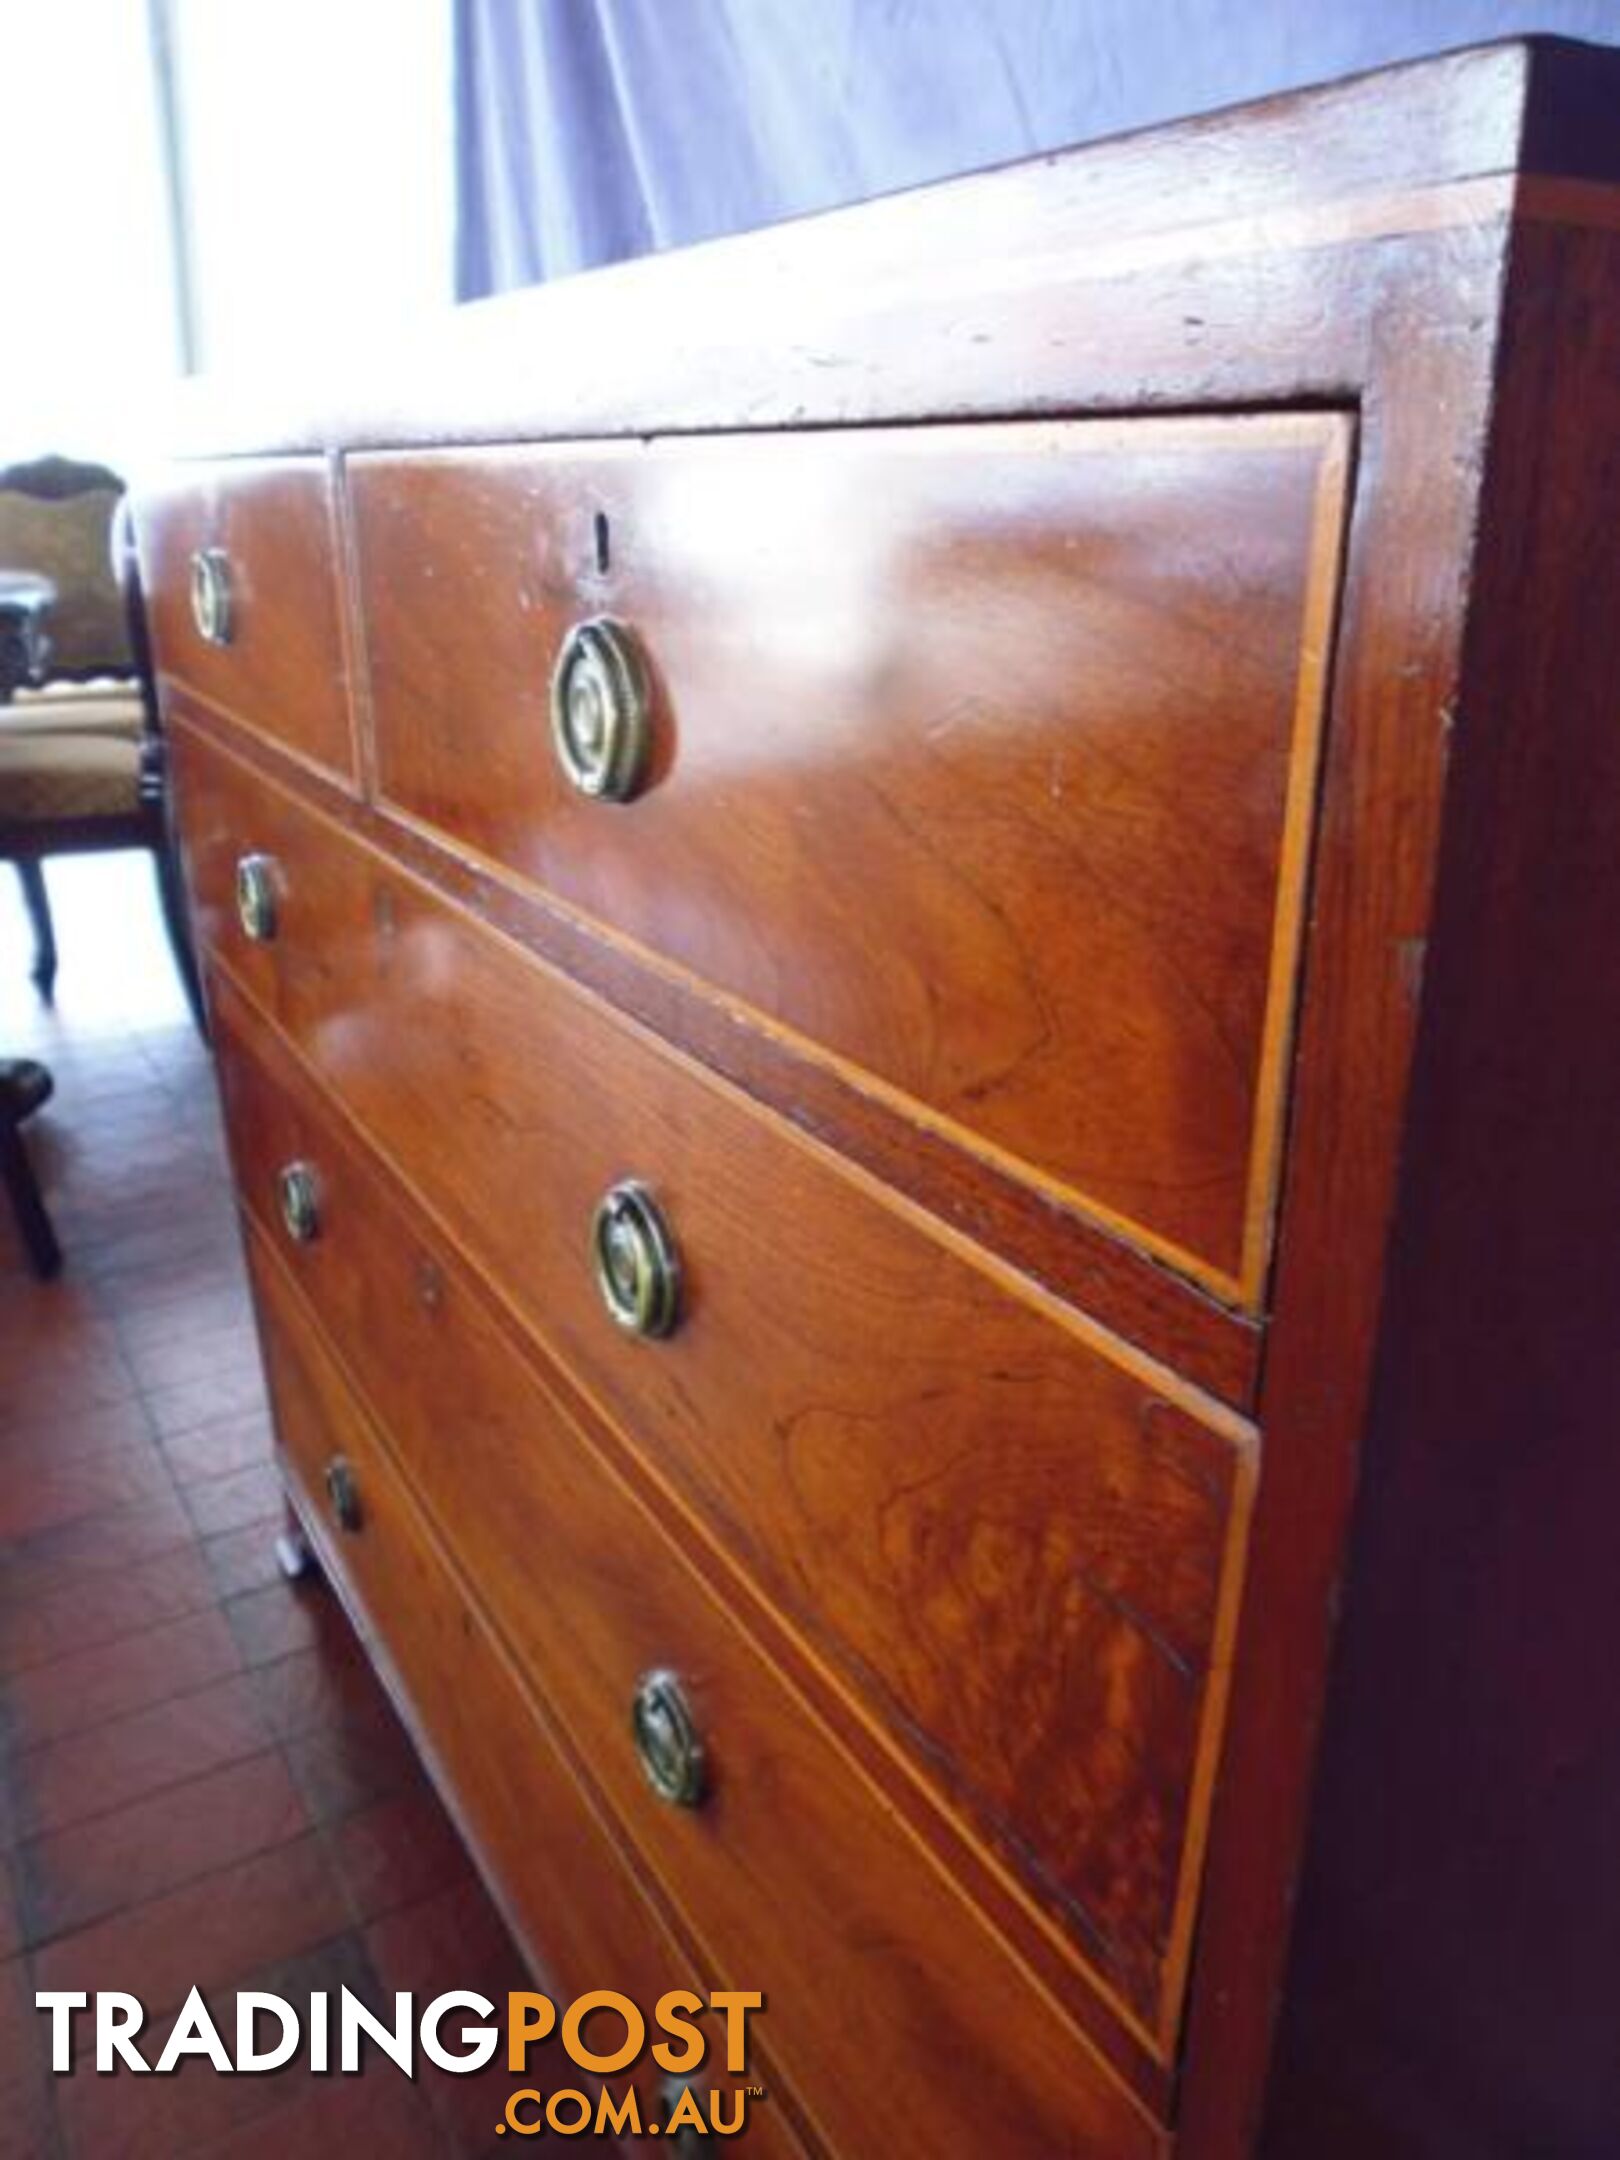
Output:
(603, 551)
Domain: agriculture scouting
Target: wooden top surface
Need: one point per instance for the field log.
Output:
(952, 299)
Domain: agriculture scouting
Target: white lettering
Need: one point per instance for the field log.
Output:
(478, 2042)
(118, 2019)
(355, 2018)
(61, 2003)
(193, 2034)
(248, 2056)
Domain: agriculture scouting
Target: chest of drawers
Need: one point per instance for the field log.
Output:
(911, 930)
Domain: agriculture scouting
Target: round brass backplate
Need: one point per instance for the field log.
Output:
(343, 1492)
(256, 898)
(636, 1265)
(667, 1740)
(299, 1194)
(601, 716)
(211, 595)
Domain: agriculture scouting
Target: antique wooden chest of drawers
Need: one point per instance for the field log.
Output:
(912, 943)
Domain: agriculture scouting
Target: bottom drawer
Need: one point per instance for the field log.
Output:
(550, 1859)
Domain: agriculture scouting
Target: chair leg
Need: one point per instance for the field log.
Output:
(34, 1225)
(38, 903)
(177, 927)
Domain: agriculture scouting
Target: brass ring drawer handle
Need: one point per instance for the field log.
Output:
(638, 1270)
(343, 1493)
(299, 1194)
(667, 1740)
(601, 715)
(211, 595)
(256, 898)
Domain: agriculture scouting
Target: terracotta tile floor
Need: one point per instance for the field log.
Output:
(200, 1781)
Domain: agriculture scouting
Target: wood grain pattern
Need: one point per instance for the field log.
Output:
(1393, 247)
(865, 1952)
(1389, 742)
(1181, 266)
(1455, 1962)
(479, 1725)
(433, 1350)
(285, 670)
(1007, 736)
(1171, 1318)
(1018, 1544)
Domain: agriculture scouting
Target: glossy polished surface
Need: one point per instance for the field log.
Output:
(1027, 1549)
(480, 1728)
(270, 533)
(859, 1924)
(201, 1783)
(992, 1316)
(997, 733)
(1166, 1314)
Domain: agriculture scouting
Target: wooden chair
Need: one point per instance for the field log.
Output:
(82, 757)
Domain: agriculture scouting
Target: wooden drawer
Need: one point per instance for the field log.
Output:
(888, 1995)
(982, 758)
(1021, 1542)
(521, 1808)
(282, 670)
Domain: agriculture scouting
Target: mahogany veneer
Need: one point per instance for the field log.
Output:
(1122, 669)
(284, 670)
(485, 1742)
(907, 1454)
(1022, 790)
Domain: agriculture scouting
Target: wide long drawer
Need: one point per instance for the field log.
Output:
(1022, 1543)
(895, 2011)
(981, 758)
(532, 1827)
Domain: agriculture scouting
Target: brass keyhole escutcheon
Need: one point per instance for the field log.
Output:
(637, 1268)
(601, 714)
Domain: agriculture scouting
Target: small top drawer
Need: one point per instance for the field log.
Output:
(980, 758)
(240, 567)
